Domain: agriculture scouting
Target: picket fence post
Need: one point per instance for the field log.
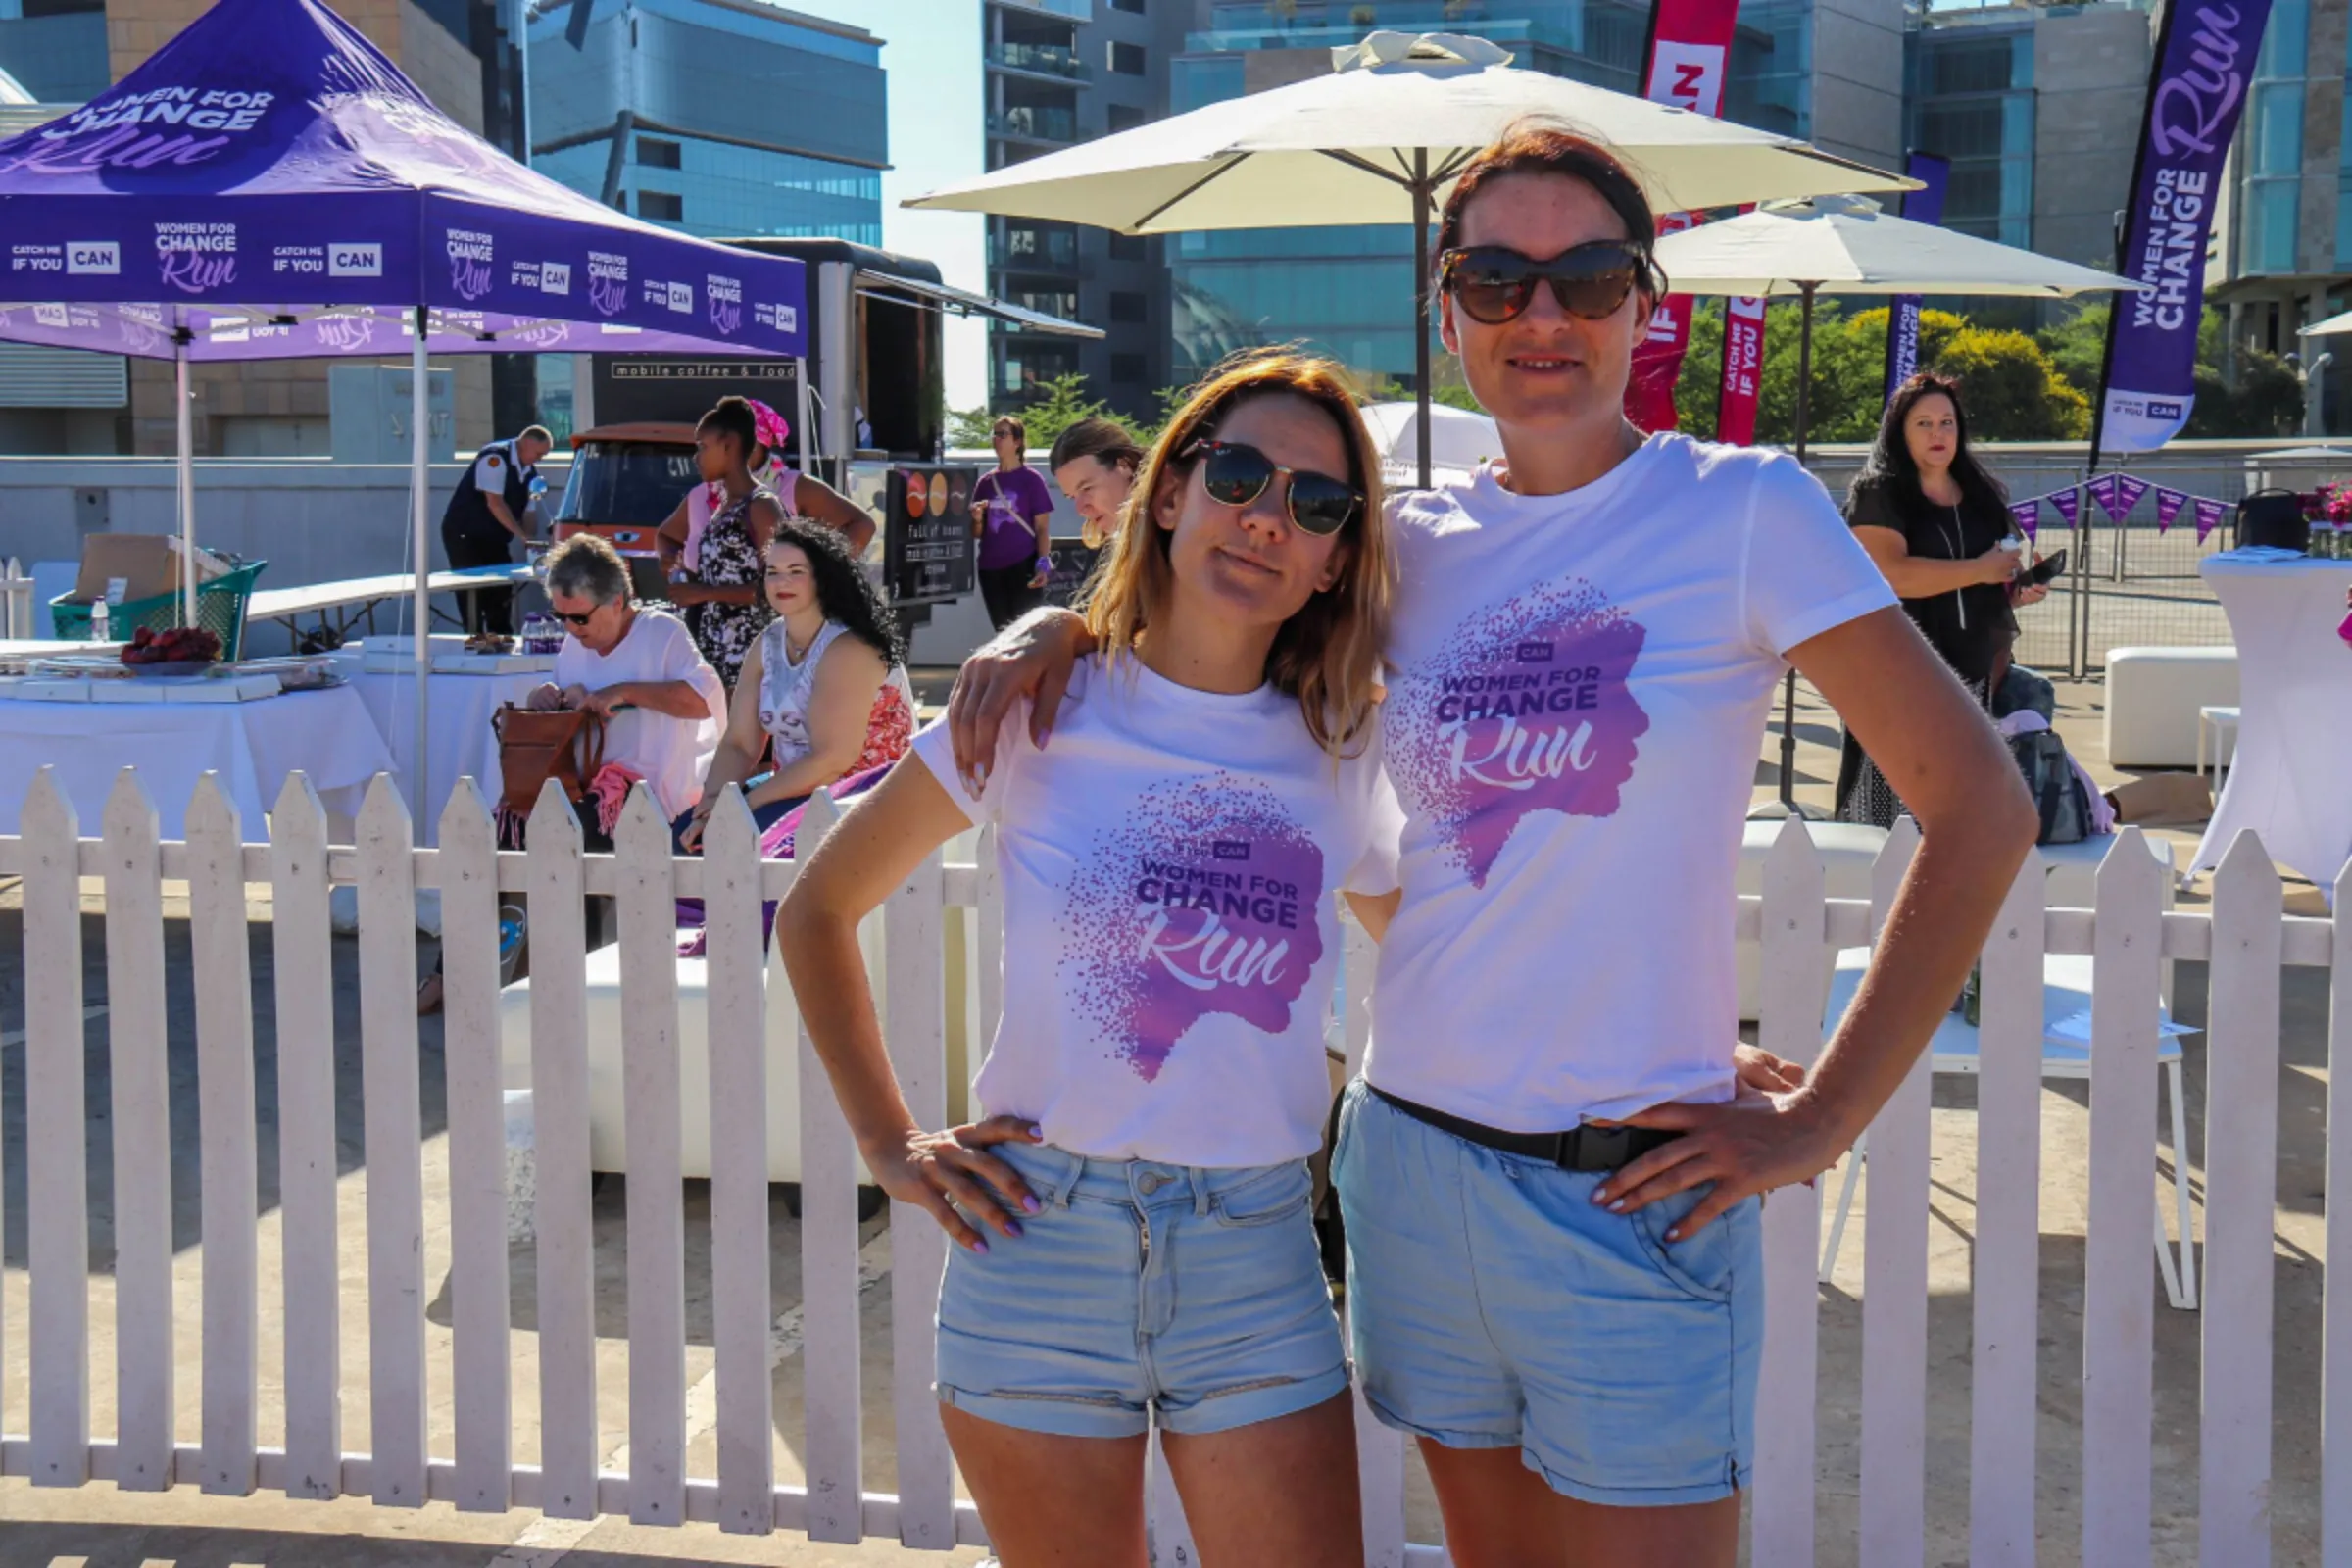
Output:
(2118, 1307)
(2335, 1312)
(57, 1193)
(737, 1006)
(1790, 1002)
(2007, 1278)
(914, 1022)
(145, 1403)
(561, 1217)
(1894, 1297)
(224, 975)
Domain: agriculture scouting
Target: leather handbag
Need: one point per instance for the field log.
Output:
(535, 745)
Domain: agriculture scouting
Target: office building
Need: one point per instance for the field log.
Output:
(715, 117)
(1061, 72)
(464, 54)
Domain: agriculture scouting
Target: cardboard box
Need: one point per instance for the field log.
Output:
(149, 563)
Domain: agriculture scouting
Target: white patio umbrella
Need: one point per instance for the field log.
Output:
(2330, 327)
(1844, 245)
(1380, 140)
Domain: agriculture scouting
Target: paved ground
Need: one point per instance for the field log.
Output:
(101, 1529)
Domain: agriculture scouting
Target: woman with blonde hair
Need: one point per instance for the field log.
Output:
(1131, 1209)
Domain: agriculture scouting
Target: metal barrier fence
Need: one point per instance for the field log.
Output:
(752, 1031)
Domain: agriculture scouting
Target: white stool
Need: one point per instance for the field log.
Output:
(2220, 723)
(2066, 991)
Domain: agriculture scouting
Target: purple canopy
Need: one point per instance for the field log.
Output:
(269, 170)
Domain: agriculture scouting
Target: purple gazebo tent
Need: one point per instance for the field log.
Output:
(267, 185)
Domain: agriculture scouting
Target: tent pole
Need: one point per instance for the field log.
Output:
(420, 477)
(1421, 195)
(799, 419)
(184, 397)
(1805, 376)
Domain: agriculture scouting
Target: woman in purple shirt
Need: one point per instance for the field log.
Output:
(1013, 514)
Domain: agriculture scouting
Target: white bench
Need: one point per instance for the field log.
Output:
(2153, 695)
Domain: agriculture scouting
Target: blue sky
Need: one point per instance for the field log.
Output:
(932, 52)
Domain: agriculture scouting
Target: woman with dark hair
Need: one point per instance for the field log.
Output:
(824, 692)
(747, 494)
(1938, 527)
(1094, 462)
(1013, 516)
(1550, 1185)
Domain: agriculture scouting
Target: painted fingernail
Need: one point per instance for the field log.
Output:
(1618, 1208)
(1035, 1131)
(1600, 1195)
(980, 1245)
(1030, 1204)
(1013, 1227)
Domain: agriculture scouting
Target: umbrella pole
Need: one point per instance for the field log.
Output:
(184, 417)
(1805, 376)
(420, 476)
(1421, 202)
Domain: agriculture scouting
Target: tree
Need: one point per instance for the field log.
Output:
(1848, 368)
(2266, 399)
(1060, 401)
(2012, 390)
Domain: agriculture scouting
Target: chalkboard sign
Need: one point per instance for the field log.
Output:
(927, 543)
(1073, 564)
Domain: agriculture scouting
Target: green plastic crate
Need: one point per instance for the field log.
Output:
(220, 609)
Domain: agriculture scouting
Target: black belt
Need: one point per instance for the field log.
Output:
(1586, 1147)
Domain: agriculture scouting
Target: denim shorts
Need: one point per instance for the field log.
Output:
(1142, 1287)
(1494, 1305)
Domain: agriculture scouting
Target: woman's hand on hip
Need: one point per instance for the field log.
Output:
(1749, 1145)
(940, 1171)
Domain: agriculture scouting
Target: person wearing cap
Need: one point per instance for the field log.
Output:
(485, 517)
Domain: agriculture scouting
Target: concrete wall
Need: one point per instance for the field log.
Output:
(2090, 77)
(1858, 81)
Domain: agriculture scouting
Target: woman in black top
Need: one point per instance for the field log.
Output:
(1938, 527)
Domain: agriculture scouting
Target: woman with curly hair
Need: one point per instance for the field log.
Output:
(824, 684)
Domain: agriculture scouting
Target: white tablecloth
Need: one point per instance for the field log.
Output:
(251, 746)
(2291, 780)
(458, 741)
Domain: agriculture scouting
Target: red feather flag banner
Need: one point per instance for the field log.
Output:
(1684, 64)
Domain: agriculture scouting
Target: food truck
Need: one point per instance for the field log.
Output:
(870, 423)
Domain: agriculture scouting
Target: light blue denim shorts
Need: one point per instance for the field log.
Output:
(1137, 1288)
(1495, 1305)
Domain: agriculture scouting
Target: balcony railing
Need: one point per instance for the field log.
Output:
(1045, 59)
(1033, 123)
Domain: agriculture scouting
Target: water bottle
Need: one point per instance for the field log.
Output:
(100, 632)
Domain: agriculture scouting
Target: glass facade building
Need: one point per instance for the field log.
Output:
(715, 117)
(1347, 291)
(55, 49)
(1970, 97)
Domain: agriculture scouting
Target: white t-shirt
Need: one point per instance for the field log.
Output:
(1576, 702)
(672, 754)
(1169, 863)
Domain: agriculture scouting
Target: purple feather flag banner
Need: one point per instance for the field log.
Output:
(2128, 492)
(2209, 516)
(2169, 503)
(2069, 505)
(2029, 516)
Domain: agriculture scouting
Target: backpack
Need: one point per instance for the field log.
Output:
(2056, 788)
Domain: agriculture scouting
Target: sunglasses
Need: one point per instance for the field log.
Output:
(1493, 284)
(574, 620)
(1236, 474)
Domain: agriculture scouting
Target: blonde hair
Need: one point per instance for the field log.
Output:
(1328, 654)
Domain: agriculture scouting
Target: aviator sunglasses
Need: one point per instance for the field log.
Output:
(1493, 284)
(1236, 474)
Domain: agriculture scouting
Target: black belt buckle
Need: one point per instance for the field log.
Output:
(1590, 1148)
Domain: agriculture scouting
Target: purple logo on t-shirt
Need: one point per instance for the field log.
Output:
(1525, 708)
(1203, 898)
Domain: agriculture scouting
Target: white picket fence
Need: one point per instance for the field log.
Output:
(751, 1024)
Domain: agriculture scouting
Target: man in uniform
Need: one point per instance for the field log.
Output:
(485, 517)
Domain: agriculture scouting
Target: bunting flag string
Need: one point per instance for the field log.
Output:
(2117, 495)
